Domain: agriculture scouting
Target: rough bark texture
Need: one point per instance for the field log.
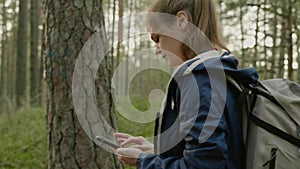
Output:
(34, 60)
(21, 81)
(69, 24)
(3, 58)
(289, 40)
(12, 59)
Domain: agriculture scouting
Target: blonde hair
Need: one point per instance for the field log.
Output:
(201, 13)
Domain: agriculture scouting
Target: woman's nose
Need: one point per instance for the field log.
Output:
(158, 51)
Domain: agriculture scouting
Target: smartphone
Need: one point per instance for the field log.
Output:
(107, 142)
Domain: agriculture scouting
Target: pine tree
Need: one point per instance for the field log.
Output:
(68, 26)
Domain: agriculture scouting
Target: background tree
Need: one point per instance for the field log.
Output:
(289, 34)
(11, 72)
(267, 39)
(34, 54)
(3, 57)
(21, 75)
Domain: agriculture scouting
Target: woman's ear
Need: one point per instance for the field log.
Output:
(182, 19)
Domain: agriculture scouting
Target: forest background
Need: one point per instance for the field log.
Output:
(41, 40)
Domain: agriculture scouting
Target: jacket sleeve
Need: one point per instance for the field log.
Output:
(207, 151)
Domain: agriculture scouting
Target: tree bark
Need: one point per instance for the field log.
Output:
(34, 59)
(41, 79)
(297, 43)
(241, 18)
(68, 26)
(126, 86)
(3, 59)
(265, 57)
(282, 50)
(273, 72)
(11, 70)
(120, 47)
(289, 39)
(21, 82)
(256, 52)
(113, 32)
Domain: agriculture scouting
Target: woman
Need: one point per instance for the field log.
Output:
(211, 137)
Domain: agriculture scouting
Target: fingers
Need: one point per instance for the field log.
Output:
(126, 139)
(148, 147)
(127, 157)
(127, 160)
(122, 135)
(133, 141)
(128, 152)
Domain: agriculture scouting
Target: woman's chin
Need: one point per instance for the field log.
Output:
(173, 64)
(172, 60)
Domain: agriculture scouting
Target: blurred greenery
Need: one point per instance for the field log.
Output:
(133, 128)
(23, 136)
(23, 139)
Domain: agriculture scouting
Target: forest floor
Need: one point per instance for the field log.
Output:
(23, 137)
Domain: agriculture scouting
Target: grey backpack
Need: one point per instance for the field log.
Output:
(271, 123)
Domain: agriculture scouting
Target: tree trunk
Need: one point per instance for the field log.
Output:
(255, 58)
(113, 32)
(273, 72)
(289, 39)
(282, 50)
(298, 52)
(21, 82)
(265, 57)
(41, 79)
(297, 43)
(69, 24)
(126, 86)
(120, 31)
(11, 73)
(241, 18)
(120, 47)
(34, 59)
(3, 59)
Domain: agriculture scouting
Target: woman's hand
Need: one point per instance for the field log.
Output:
(135, 142)
(128, 155)
(137, 146)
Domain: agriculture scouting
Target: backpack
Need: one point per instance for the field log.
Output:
(271, 123)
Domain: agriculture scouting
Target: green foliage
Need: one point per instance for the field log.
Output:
(23, 140)
(136, 129)
(133, 128)
(23, 136)
(148, 80)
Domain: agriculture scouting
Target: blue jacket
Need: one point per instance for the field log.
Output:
(200, 125)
